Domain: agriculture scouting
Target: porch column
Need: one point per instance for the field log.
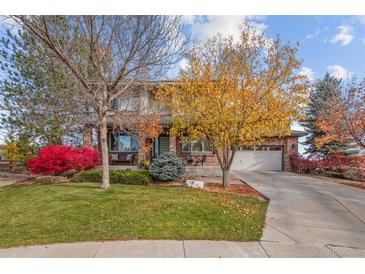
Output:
(290, 149)
(141, 149)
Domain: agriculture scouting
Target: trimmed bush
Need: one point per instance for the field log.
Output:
(167, 167)
(123, 176)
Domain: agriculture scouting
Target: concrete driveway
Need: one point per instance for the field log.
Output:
(310, 217)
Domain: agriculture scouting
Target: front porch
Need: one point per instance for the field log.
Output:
(125, 150)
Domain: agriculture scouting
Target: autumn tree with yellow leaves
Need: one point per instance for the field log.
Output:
(236, 93)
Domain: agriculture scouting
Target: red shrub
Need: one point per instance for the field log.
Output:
(57, 159)
(335, 165)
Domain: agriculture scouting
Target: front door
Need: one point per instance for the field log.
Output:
(161, 145)
(164, 144)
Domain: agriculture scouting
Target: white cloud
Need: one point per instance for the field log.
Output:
(207, 27)
(344, 35)
(307, 72)
(183, 63)
(312, 35)
(173, 73)
(339, 72)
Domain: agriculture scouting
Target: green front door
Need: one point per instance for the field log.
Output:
(164, 144)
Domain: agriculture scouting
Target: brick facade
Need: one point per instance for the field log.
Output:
(289, 145)
(141, 150)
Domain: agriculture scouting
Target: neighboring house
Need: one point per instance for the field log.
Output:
(273, 155)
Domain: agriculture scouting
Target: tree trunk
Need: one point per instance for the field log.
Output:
(87, 136)
(104, 154)
(226, 177)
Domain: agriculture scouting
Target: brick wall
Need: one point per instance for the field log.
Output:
(289, 144)
(173, 144)
(141, 150)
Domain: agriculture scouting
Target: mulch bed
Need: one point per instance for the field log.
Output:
(211, 185)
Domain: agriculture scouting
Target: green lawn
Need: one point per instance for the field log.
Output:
(78, 212)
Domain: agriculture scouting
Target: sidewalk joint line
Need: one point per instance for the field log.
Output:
(264, 250)
(183, 244)
(353, 214)
(283, 233)
(338, 201)
(97, 251)
(334, 252)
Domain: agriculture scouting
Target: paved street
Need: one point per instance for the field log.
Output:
(307, 217)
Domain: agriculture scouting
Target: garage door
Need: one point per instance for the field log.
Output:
(258, 158)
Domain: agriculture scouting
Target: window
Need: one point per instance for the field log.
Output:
(262, 148)
(185, 147)
(275, 148)
(195, 147)
(126, 104)
(246, 148)
(122, 143)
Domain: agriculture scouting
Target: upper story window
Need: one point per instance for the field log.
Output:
(122, 143)
(126, 104)
(195, 147)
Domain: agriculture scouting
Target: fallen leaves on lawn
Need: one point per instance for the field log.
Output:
(238, 189)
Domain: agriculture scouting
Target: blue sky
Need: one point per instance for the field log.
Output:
(327, 43)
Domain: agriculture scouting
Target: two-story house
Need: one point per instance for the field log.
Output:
(124, 149)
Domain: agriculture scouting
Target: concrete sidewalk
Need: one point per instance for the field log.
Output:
(179, 249)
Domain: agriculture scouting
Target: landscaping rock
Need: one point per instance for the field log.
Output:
(69, 173)
(47, 180)
(194, 184)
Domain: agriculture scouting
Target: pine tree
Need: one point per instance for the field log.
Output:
(33, 98)
(325, 91)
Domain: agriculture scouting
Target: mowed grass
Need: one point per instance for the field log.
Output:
(41, 214)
